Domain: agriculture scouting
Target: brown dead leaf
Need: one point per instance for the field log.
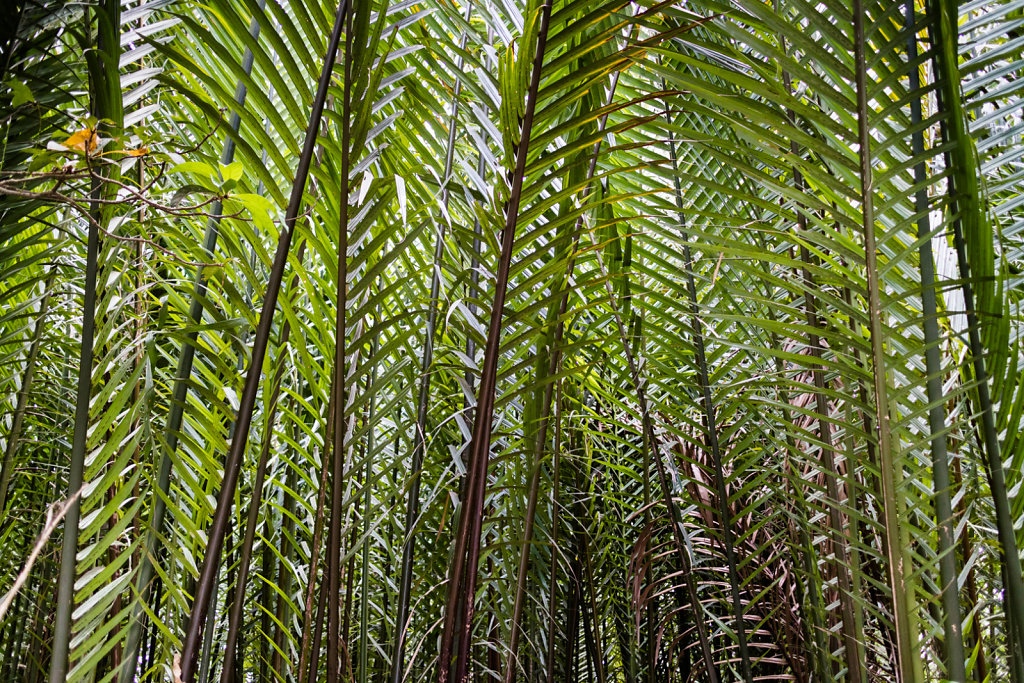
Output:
(176, 668)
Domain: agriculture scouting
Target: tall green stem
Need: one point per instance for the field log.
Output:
(412, 511)
(338, 385)
(899, 567)
(211, 558)
(105, 95)
(972, 231)
(953, 643)
(179, 394)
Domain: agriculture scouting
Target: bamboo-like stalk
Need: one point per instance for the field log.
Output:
(711, 427)
(412, 511)
(899, 567)
(346, 624)
(470, 521)
(211, 557)
(106, 104)
(266, 602)
(151, 649)
(573, 626)
(971, 232)
(334, 634)
(179, 393)
(953, 642)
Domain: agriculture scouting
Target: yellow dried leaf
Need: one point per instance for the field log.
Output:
(139, 152)
(80, 139)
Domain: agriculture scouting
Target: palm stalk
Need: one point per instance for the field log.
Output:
(255, 500)
(953, 643)
(467, 542)
(206, 654)
(233, 462)
(971, 231)
(105, 95)
(179, 393)
(899, 567)
(412, 511)
(973, 605)
(334, 634)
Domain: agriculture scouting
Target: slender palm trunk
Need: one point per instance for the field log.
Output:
(412, 511)
(105, 95)
(899, 567)
(211, 558)
(464, 567)
(334, 634)
(179, 393)
(973, 238)
(953, 644)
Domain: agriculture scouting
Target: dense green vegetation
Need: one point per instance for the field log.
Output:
(486, 340)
